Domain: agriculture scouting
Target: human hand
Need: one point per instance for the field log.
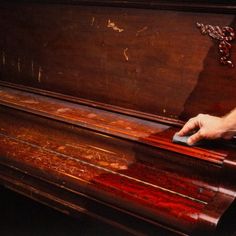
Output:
(208, 127)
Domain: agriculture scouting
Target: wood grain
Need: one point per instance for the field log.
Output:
(151, 61)
(90, 98)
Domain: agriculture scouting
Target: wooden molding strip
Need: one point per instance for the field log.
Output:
(203, 6)
(95, 104)
(106, 122)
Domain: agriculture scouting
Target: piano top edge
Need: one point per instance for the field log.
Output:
(106, 107)
(210, 6)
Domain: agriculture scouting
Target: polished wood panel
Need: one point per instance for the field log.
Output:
(114, 174)
(109, 170)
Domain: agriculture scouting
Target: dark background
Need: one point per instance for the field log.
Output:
(22, 216)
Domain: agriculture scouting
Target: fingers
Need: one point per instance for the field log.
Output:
(191, 125)
(195, 138)
(209, 127)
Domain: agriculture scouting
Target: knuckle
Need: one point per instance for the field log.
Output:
(201, 115)
(192, 120)
(202, 133)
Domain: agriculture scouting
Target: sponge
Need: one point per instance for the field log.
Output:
(184, 140)
(181, 139)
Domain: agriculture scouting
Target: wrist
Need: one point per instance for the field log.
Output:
(229, 124)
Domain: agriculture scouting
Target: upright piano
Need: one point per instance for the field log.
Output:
(91, 94)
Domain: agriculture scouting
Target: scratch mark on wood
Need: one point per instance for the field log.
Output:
(18, 65)
(61, 148)
(61, 110)
(126, 54)
(141, 30)
(114, 27)
(92, 21)
(40, 74)
(118, 166)
(3, 58)
(91, 115)
(101, 149)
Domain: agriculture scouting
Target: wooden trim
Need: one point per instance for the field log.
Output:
(103, 106)
(105, 122)
(202, 6)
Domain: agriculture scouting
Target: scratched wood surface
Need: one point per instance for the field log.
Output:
(81, 91)
(154, 134)
(114, 171)
(151, 61)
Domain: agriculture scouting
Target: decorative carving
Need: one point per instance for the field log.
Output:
(225, 35)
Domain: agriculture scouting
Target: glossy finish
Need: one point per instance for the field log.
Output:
(154, 183)
(90, 98)
(154, 134)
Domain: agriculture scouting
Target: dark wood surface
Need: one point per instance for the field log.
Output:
(90, 98)
(22, 216)
(151, 62)
(60, 162)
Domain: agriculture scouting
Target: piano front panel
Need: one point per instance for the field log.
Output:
(151, 61)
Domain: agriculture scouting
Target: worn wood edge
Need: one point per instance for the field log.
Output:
(103, 106)
(199, 6)
(199, 153)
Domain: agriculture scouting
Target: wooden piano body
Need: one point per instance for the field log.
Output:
(91, 93)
